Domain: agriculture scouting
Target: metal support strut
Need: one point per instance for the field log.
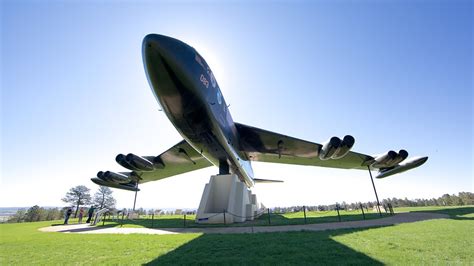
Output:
(376, 196)
(135, 200)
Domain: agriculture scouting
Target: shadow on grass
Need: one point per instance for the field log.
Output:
(281, 219)
(267, 248)
(454, 213)
(84, 229)
(280, 248)
(275, 220)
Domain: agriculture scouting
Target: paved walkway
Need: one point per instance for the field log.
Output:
(391, 220)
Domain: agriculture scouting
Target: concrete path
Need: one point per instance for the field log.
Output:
(391, 220)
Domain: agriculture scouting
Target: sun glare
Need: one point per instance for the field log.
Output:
(211, 55)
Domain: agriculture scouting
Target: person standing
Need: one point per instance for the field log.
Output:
(81, 214)
(91, 211)
(67, 214)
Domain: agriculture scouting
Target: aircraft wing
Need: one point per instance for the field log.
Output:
(180, 158)
(266, 146)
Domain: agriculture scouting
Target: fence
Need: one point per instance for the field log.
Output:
(301, 215)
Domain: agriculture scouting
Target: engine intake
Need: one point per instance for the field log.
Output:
(402, 155)
(120, 159)
(329, 148)
(114, 177)
(385, 160)
(346, 145)
(138, 162)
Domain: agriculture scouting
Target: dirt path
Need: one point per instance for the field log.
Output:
(392, 220)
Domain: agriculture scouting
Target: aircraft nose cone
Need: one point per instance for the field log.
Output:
(154, 41)
(164, 45)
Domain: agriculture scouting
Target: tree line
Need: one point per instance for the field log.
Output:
(461, 199)
(76, 197)
(80, 196)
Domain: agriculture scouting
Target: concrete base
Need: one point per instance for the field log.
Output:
(227, 200)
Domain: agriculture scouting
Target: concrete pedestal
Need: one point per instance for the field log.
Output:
(226, 199)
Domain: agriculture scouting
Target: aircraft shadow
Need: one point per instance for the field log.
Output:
(275, 219)
(303, 247)
(267, 248)
(456, 213)
(84, 229)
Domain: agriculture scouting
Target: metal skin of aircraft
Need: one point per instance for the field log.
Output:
(189, 95)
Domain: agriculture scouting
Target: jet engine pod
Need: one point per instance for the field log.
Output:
(114, 177)
(384, 161)
(102, 182)
(120, 159)
(138, 162)
(346, 145)
(329, 148)
(100, 175)
(402, 155)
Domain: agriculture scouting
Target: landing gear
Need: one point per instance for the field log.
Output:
(223, 167)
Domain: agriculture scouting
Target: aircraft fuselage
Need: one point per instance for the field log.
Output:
(187, 90)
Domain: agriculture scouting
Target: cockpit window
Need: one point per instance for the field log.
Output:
(219, 97)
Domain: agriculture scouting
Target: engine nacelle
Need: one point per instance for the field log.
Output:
(120, 159)
(384, 160)
(114, 177)
(346, 145)
(138, 162)
(102, 182)
(402, 155)
(329, 148)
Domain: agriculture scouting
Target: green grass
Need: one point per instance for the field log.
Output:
(456, 212)
(442, 241)
(177, 221)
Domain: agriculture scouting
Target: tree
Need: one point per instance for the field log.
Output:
(446, 199)
(53, 214)
(18, 217)
(103, 198)
(78, 196)
(467, 198)
(35, 214)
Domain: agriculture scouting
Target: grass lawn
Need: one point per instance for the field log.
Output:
(442, 241)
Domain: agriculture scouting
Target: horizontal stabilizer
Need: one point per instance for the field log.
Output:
(258, 180)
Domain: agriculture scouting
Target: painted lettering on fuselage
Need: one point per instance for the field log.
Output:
(211, 76)
(204, 81)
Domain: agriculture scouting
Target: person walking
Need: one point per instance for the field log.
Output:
(81, 214)
(67, 214)
(91, 211)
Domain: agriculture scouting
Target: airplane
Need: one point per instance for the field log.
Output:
(186, 89)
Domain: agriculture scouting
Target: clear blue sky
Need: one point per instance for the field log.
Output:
(394, 74)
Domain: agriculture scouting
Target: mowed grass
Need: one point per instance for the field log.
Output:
(453, 211)
(292, 218)
(441, 241)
